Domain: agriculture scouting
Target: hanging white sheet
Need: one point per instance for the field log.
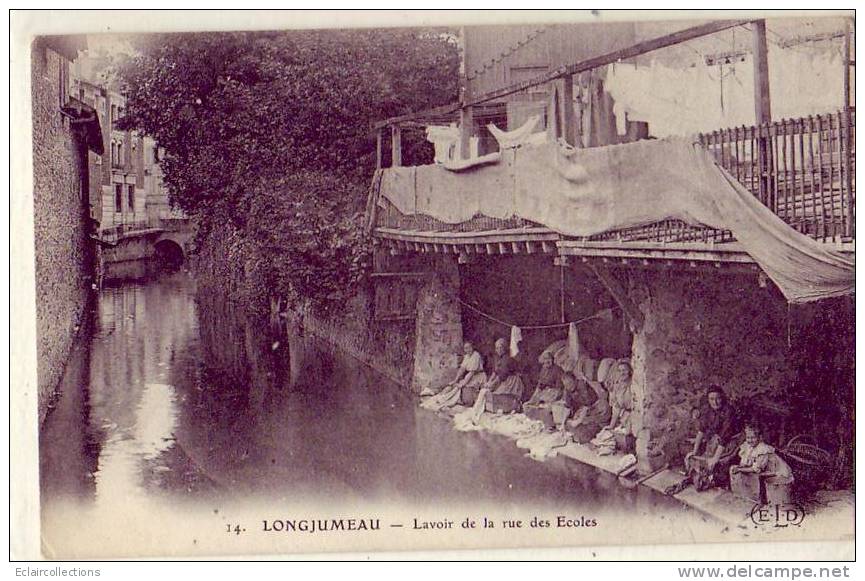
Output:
(588, 191)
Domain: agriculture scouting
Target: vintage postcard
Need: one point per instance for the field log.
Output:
(306, 283)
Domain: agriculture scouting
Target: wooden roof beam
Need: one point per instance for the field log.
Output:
(614, 287)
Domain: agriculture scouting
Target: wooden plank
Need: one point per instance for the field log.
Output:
(762, 102)
(737, 139)
(399, 274)
(800, 173)
(755, 167)
(831, 157)
(842, 181)
(772, 170)
(378, 148)
(568, 117)
(615, 288)
(846, 162)
(820, 159)
(811, 181)
(480, 236)
(395, 146)
(789, 170)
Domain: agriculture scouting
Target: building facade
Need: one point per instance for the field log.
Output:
(127, 188)
(66, 132)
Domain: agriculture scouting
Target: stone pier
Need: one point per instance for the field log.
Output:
(699, 331)
(438, 327)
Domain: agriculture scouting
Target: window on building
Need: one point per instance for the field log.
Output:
(118, 198)
(130, 198)
(119, 154)
(113, 119)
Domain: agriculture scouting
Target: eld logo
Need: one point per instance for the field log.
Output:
(777, 515)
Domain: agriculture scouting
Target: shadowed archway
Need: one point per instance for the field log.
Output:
(168, 255)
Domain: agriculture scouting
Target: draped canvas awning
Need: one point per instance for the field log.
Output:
(584, 192)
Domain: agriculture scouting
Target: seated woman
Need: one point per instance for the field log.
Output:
(470, 375)
(503, 390)
(548, 388)
(715, 444)
(619, 387)
(759, 458)
(592, 413)
(616, 434)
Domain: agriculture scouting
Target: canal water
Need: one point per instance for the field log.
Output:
(173, 404)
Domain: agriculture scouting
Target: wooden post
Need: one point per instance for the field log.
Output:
(396, 146)
(466, 126)
(762, 103)
(847, 133)
(466, 117)
(378, 149)
(847, 64)
(568, 118)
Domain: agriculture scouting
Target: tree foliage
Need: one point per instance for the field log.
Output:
(272, 133)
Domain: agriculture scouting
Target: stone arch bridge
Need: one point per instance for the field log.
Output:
(130, 249)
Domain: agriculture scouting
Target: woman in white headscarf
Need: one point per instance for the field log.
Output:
(470, 376)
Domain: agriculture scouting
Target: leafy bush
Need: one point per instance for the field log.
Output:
(269, 135)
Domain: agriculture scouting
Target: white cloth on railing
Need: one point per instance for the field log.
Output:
(525, 134)
(589, 191)
(446, 141)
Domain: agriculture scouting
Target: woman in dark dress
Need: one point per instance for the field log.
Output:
(503, 391)
(715, 444)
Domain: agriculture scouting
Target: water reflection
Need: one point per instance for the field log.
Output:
(178, 400)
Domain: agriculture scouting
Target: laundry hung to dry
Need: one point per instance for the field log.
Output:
(589, 191)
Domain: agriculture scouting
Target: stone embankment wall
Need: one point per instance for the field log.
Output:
(64, 257)
(392, 345)
(387, 347)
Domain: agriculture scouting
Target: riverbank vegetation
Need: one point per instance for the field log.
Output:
(267, 143)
